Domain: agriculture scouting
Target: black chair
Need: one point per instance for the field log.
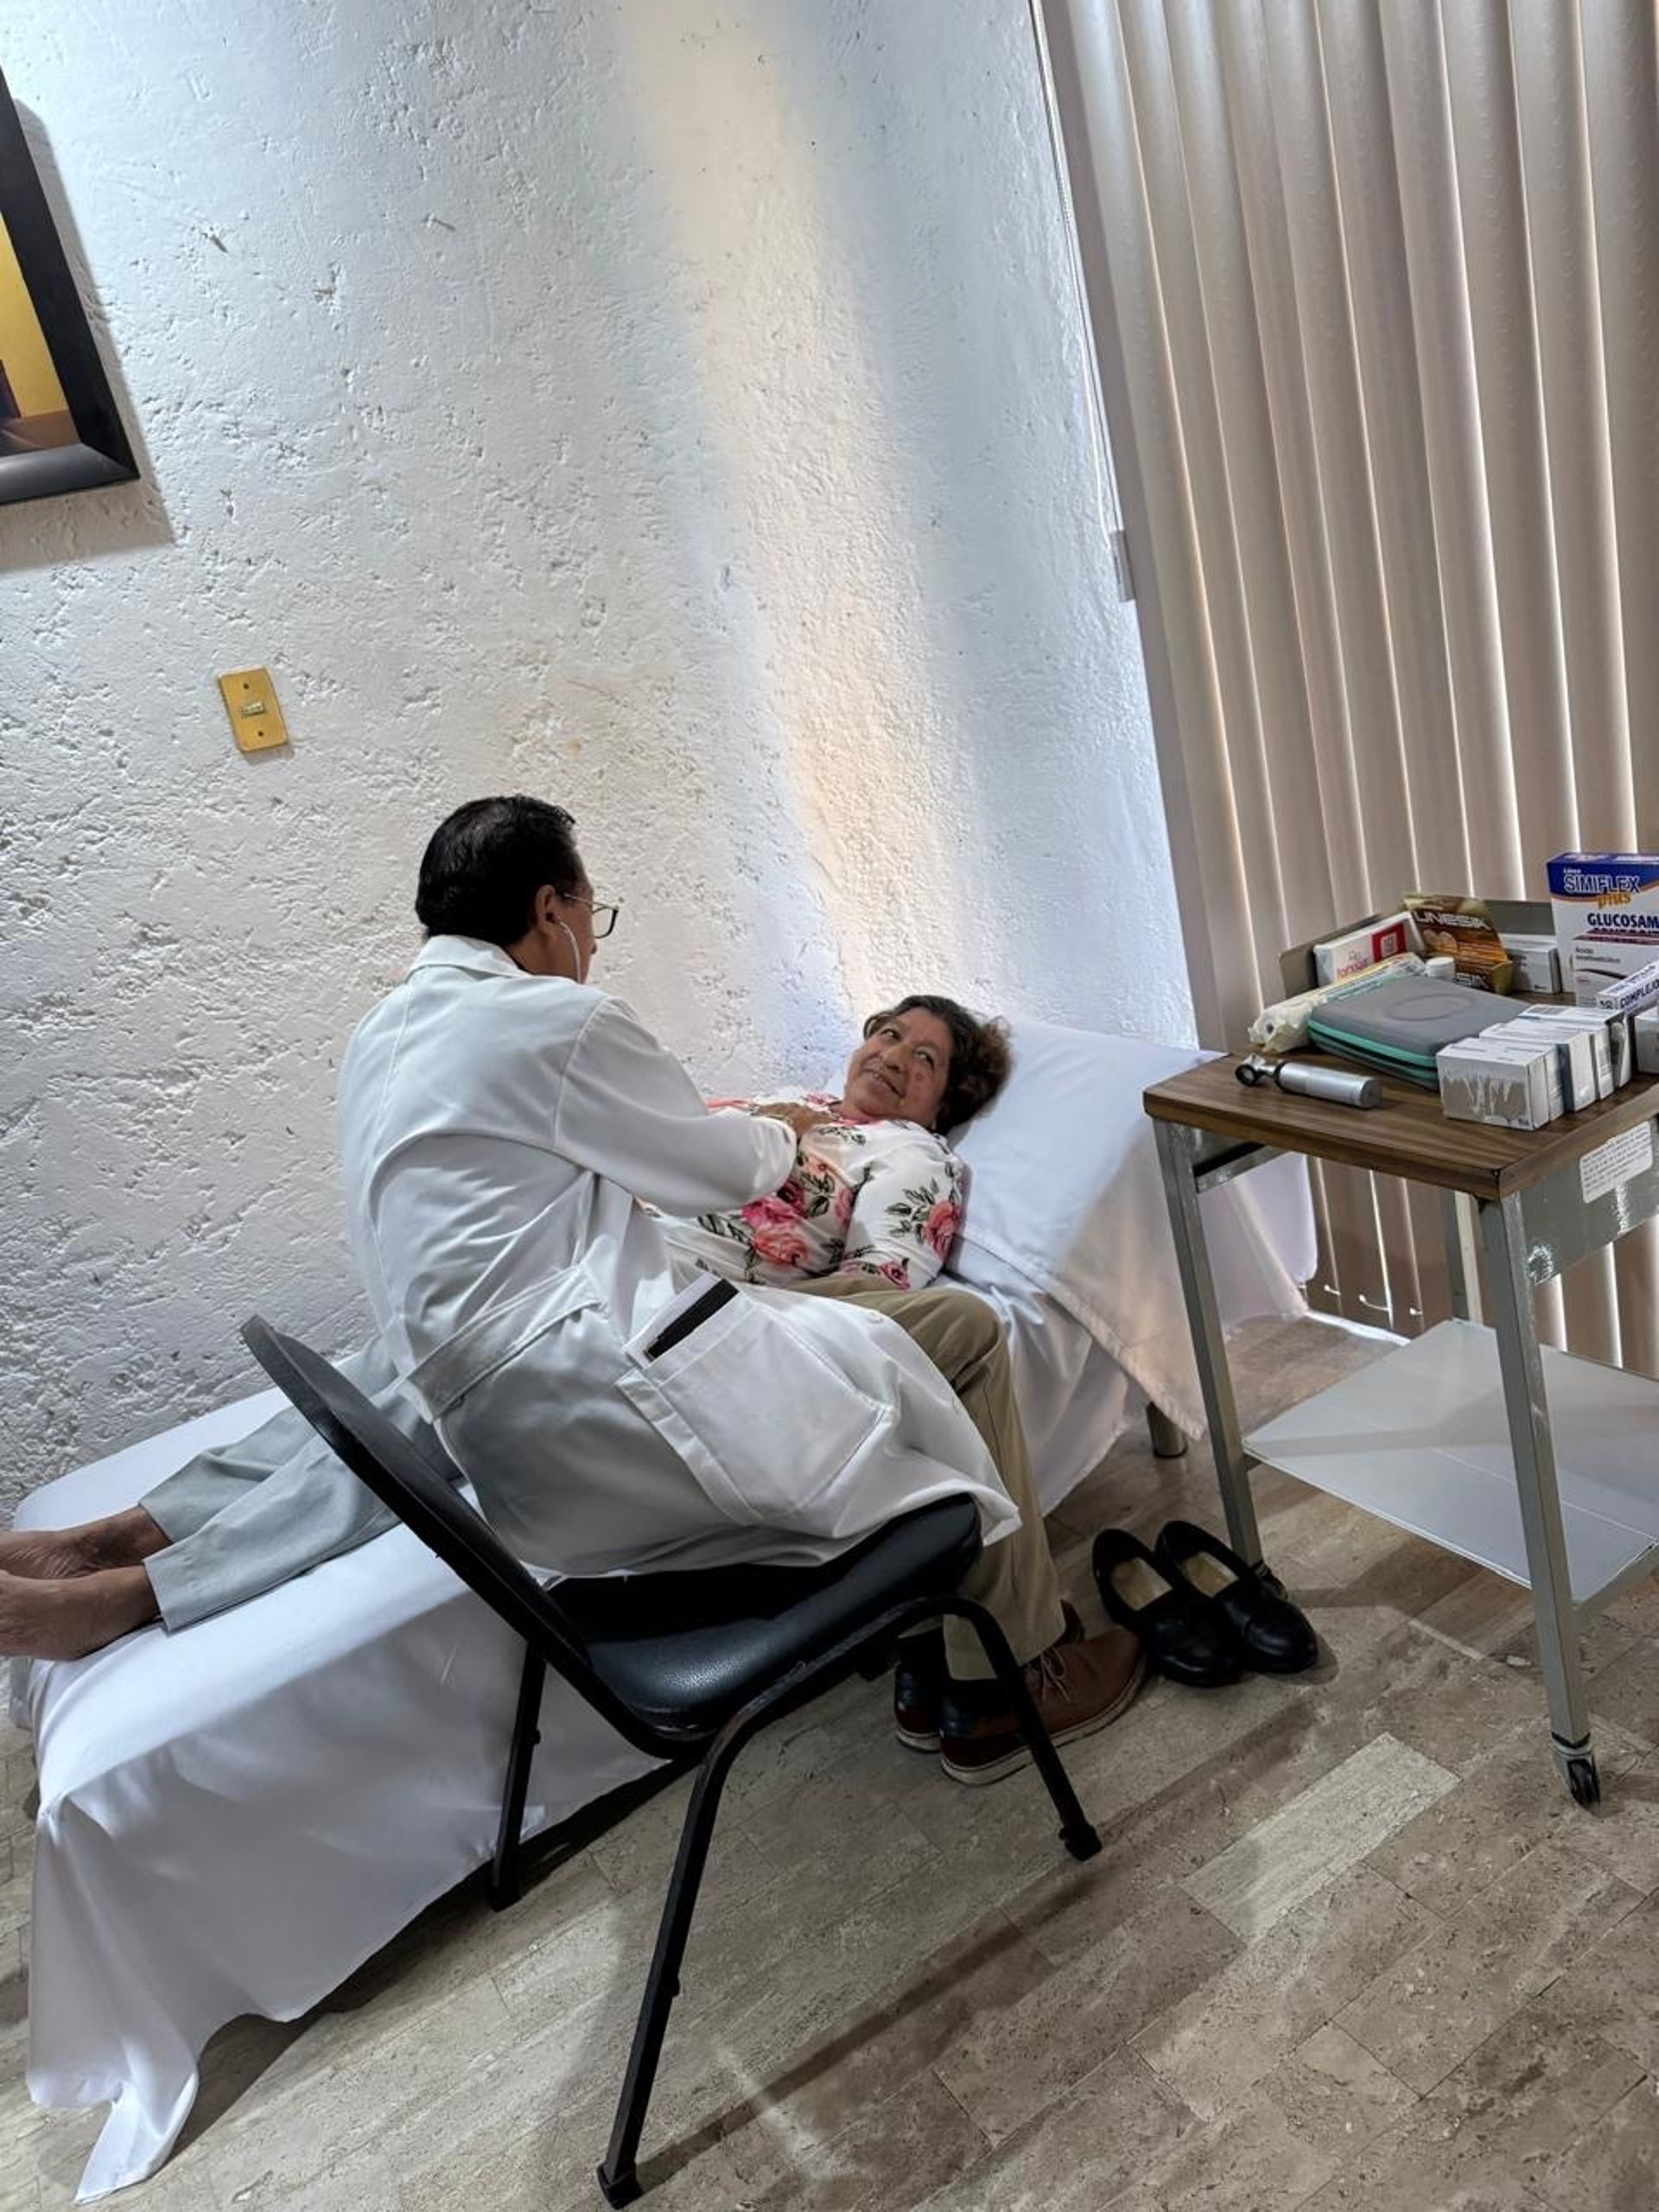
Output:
(686, 1667)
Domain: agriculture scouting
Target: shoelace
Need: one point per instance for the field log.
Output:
(1050, 1669)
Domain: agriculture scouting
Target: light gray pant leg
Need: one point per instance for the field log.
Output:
(255, 1514)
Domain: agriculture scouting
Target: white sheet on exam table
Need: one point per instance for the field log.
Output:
(184, 1875)
(182, 1880)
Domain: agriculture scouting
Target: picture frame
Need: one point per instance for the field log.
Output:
(59, 430)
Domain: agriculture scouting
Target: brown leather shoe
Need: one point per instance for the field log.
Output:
(1079, 1684)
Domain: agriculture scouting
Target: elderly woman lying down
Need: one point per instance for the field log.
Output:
(875, 1191)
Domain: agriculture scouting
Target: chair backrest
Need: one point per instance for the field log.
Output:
(408, 1479)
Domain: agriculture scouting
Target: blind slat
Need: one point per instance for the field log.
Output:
(1379, 290)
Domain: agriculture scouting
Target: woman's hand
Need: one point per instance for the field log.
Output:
(797, 1117)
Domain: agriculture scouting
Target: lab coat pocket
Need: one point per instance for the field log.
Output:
(762, 1419)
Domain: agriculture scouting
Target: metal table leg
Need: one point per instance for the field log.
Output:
(1462, 1254)
(1521, 1365)
(1177, 1157)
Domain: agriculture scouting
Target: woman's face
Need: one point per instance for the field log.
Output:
(899, 1073)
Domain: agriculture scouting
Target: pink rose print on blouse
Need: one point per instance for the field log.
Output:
(781, 1243)
(775, 1227)
(770, 1212)
(941, 1226)
(842, 1211)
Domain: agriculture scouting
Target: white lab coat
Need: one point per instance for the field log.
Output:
(497, 1131)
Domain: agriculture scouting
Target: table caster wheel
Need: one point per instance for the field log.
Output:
(1584, 1781)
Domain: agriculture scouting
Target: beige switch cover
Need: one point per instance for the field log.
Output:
(250, 703)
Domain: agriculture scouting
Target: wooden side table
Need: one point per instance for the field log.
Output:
(1540, 1465)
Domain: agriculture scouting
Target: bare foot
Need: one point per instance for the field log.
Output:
(67, 1618)
(44, 1554)
(55, 1554)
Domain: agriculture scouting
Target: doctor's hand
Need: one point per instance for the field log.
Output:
(794, 1116)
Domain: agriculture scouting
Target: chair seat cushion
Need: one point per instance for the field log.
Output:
(685, 1651)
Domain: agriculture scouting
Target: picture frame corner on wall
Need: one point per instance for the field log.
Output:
(60, 427)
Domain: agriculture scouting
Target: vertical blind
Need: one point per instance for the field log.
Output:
(1374, 286)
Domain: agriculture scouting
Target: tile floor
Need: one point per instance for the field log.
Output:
(1349, 1949)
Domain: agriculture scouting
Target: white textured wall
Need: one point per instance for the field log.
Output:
(669, 407)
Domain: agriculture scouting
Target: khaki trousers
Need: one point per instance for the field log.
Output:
(1015, 1579)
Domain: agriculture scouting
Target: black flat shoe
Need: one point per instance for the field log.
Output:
(1184, 1635)
(1274, 1638)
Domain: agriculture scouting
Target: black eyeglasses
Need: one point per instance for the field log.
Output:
(604, 913)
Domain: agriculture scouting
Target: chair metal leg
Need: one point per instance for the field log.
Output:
(506, 1877)
(1077, 1831)
(619, 2181)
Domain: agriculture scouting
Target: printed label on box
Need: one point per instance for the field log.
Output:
(1616, 1162)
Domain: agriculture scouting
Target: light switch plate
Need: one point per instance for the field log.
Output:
(250, 702)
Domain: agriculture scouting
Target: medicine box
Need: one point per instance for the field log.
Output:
(1502, 1081)
(1576, 1049)
(1610, 1039)
(1336, 958)
(1645, 1032)
(1537, 961)
(1635, 992)
(1600, 963)
(1606, 912)
(1612, 1033)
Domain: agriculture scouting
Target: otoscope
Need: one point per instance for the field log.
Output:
(1341, 1086)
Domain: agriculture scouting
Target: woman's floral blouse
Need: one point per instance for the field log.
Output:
(880, 1199)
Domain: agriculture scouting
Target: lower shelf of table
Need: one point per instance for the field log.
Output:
(1421, 1439)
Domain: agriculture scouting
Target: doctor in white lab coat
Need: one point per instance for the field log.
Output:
(501, 1121)
(498, 1129)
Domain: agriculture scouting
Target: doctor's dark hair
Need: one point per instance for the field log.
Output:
(481, 871)
(979, 1055)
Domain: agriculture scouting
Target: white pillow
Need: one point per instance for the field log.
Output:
(1065, 1196)
(1062, 1165)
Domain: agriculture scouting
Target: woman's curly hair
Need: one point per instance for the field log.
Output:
(980, 1055)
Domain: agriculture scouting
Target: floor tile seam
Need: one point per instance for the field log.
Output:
(1078, 1961)
(1443, 1919)
(800, 2177)
(731, 2015)
(1452, 1642)
(900, 2081)
(1200, 2125)
(900, 1797)
(1411, 1907)
(1175, 1786)
(1350, 2027)
(1122, 2049)
(1426, 2094)
(1258, 2091)
(931, 2072)
(1624, 1727)
(684, 2006)
(899, 1808)
(1504, 2026)
(1634, 1904)
(1336, 1871)
(1590, 1861)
